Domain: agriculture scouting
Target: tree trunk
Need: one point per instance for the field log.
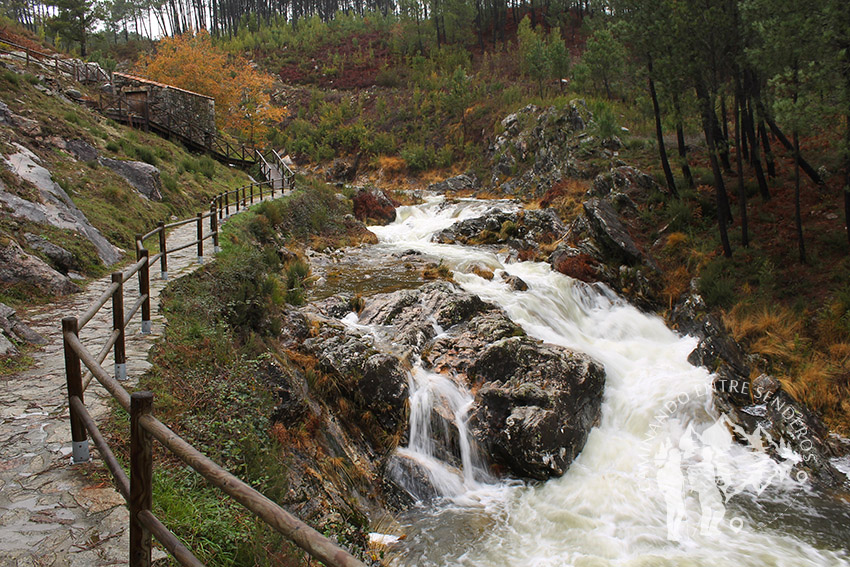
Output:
(683, 155)
(739, 162)
(768, 155)
(755, 161)
(847, 175)
(708, 125)
(798, 219)
(659, 133)
(804, 165)
(680, 141)
(720, 140)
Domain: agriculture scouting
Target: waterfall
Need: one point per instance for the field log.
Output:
(615, 505)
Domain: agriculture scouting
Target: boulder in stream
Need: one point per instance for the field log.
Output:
(537, 405)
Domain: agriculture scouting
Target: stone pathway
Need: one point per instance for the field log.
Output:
(53, 513)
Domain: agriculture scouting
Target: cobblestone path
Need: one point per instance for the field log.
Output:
(53, 513)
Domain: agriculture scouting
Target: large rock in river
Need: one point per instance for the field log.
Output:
(537, 405)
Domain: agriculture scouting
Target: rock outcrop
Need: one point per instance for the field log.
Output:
(759, 408)
(144, 177)
(539, 148)
(534, 403)
(19, 268)
(61, 259)
(54, 206)
(14, 331)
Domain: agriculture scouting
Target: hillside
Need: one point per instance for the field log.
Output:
(57, 153)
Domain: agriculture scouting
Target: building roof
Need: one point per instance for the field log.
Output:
(156, 84)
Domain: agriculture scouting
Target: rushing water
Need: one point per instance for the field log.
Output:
(615, 505)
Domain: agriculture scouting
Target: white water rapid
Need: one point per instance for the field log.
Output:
(625, 501)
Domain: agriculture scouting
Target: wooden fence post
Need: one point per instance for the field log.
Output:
(145, 290)
(200, 218)
(214, 228)
(237, 200)
(119, 352)
(219, 206)
(227, 204)
(141, 479)
(74, 379)
(163, 258)
(252, 193)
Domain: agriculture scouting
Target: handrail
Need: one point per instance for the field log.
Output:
(69, 66)
(137, 490)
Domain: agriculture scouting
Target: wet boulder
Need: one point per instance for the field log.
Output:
(520, 230)
(417, 316)
(454, 353)
(463, 182)
(375, 381)
(373, 205)
(760, 410)
(536, 405)
(611, 234)
(410, 477)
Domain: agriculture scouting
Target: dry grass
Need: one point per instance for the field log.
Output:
(566, 198)
(813, 370)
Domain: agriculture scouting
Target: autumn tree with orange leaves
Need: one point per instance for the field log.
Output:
(190, 61)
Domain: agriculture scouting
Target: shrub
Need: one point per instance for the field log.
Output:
(715, 284)
(417, 156)
(145, 154)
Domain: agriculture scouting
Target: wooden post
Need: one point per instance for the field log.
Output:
(237, 200)
(141, 479)
(261, 191)
(252, 193)
(163, 258)
(214, 228)
(145, 290)
(74, 379)
(227, 203)
(118, 325)
(219, 206)
(200, 218)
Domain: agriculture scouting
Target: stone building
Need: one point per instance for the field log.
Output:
(176, 111)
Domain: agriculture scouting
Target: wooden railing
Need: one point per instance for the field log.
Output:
(79, 71)
(144, 427)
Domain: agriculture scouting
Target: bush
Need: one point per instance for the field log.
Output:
(716, 285)
(417, 156)
(296, 272)
(145, 154)
(604, 120)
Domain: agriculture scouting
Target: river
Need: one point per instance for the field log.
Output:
(636, 495)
